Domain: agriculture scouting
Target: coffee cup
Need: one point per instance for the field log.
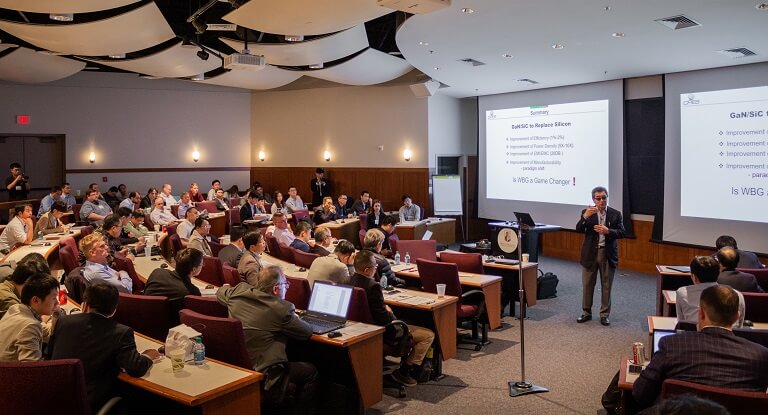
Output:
(525, 259)
(440, 290)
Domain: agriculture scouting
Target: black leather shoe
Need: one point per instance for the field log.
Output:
(583, 319)
(604, 321)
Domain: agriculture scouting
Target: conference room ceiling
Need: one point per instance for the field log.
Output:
(473, 47)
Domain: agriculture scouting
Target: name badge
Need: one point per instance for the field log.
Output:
(18, 187)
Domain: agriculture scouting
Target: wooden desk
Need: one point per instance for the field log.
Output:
(511, 282)
(218, 221)
(670, 301)
(443, 229)
(348, 229)
(668, 279)
(626, 379)
(490, 285)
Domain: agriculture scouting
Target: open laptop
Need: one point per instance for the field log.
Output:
(658, 334)
(525, 219)
(328, 306)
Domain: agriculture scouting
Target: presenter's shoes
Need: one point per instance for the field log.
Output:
(584, 318)
(604, 321)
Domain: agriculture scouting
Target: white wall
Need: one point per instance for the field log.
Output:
(293, 128)
(133, 123)
(452, 127)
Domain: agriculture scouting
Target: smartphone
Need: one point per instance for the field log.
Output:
(635, 368)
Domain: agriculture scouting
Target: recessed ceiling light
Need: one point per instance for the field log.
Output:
(199, 77)
(424, 43)
(607, 8)
(294, 38)
(437, 68)
(557, 46)
(761, 6)
(316, 66)
(150, 77)
(118, 56)
(618, 34)
(467, 10)
(62, 17)
(506, 55)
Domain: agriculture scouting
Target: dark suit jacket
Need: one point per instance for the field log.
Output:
(341, 211)
(714, 356)
(230, 255)
(246, 212)
(749, 260)
(162, 282)
(376, 305)
(319, 190)
(372, 218)
(740, 281)
(104, 345)
(591, 238)
(361, 208)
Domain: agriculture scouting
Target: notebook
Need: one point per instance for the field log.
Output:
(328, 306)
(427, 235)
(657, 335)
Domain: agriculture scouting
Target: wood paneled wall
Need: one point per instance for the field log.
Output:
(385, 184)
(638, 254)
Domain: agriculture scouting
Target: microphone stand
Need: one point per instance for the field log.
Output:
(522, 387)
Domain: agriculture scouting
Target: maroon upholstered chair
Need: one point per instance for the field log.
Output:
(176, 244)
(761, 274)
(361, 235)
(148, 222)
(62, 380)
(233, 216)
(756, 307)
(363, 221)
(230, 275)
(298, 215)
(465, 262)
(737, 402)
(303, 259)
(208, 306)
(212, 271)
(147, 314)
(216, 247)
(76, 213)
(358, 307)
(471, 305)
(208, 205)
(172, 228)
(418, 249)
(85, 231)
(76, 284)
(298, 292)
(175, 210)
(68, 253)
(223, 336)
(273, 247)
(124, 264)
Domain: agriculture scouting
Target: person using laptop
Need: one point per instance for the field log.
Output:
(365, 269)
(268, 323)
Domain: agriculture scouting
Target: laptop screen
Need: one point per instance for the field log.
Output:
(657, 335)
(525, 218)
(330, 299)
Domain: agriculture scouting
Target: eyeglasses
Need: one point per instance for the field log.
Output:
(286, 284)
(600, 197)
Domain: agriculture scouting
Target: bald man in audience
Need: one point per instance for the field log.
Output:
(165, 193)
(185, 228)
(323, 241)
(326, 212)
(199, 238)
(161, 215)
(728, 257)
(746, 259)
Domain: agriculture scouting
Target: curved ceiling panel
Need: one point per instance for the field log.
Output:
(320, 50)
(63, 6)
(174, 62)
(305, 17)
(267, 78)
(368, 68)
(135, 30)
(27, 66)
(4, 46)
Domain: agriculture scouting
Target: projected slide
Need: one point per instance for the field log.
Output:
(554, 154)
(723, 154)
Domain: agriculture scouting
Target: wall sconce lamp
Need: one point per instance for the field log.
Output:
(407, 154)
(262, 156)
(327, 155)
(195, 156)
(92, 157)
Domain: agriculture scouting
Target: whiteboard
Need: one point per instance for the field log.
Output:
(446, 195)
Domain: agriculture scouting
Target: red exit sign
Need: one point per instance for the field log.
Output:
(22, 119)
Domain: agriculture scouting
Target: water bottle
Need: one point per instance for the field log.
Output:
(354, 214)
(199, 351)
(407, 258)
(39, 235)
(383, 280)
(397, 258)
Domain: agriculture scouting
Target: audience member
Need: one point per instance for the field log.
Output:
(93, 211)
(220, 201)
(112, 230)
(711, 356)
(132, 202)
(177, 283)
(135, 225)
(250, 262)
(342, 211)
(199, 238)
(268, 323)
(185, 203)
(294, 201)
(259, 191)
(282, 231)
(167, 195)
(21, 329)
(50, 222)
(122, 190)
(250, 208)
(111, 198)
(233, 191)
(215, 185)
(728, 257)
(17, 183)
(376, 215)
(96, 268)
(105, 346)
(326, 212)
(278, 206)
(374, 238)
(19, 230)
(10, 289)
(126, 237)
(148, 201)
(335, 267)
(363, 204)
(194, 193)
(302, 233)
(704, 272)
(161, 216)
(320, 187)
(387, 227)
(95, 186)
(231, 253)
(49, 200)
(66, 196)
(365, 269)
(323, 241)
(187, 226)
(409, 211)
(746, 259)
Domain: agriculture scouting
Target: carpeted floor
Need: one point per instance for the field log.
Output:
(574, 361)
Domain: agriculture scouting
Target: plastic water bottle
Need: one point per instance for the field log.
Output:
(199, 351)
(397, 258)
(383, 281)
(39, 235)
(407, 258)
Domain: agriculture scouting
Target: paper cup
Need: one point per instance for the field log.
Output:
(177, 359)
(148, 250)
(440, 290)
(157, 228)
(525, 259)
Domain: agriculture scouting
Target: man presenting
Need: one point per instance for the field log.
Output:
(602, 226)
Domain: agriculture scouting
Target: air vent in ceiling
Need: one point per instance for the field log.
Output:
(529, 81)
(678, 22)
(737, 52)
(472, 62)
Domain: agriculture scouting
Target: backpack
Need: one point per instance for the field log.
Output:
(546, 285)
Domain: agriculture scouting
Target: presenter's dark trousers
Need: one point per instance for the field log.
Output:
(588, 280)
